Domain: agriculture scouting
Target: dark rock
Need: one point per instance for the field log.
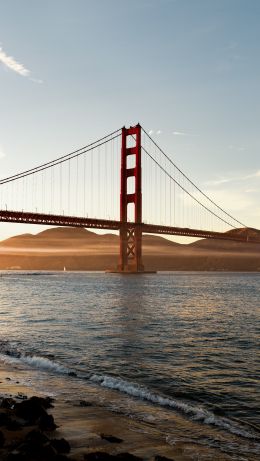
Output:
(21, 396)
(84, 403)
(13, 425)
(37, 437)
(16, 457)
(128, 457)
(2, 439)
(33, 451)
(47, 453)
(33, 409)
(162, 458)
(111, 438)
(45, 402)
(7, 403)
(30, 410)
(28, 449)
(99, 456)
(60, 445)
(46, 423)
(4, 419)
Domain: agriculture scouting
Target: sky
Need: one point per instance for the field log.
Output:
(187, 70)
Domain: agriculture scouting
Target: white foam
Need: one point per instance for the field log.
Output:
(43, 363)
(35, 361)
(197, 413)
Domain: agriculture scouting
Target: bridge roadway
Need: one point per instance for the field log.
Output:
(92, 223)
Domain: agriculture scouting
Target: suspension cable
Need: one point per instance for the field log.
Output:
(196, 187)
(187, 192)
(64, 158)
(58, 161)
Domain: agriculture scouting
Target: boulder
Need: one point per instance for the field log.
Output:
(61, 445)
(99, 456)
(127, 457)
(111, 438)
(30, 410)
(46, 423)
(2, 439)
(4, 419)
(7, 403)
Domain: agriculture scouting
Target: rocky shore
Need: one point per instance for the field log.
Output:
(27, 433)
(25, 430)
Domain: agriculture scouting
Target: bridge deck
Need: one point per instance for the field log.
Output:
(92, 223)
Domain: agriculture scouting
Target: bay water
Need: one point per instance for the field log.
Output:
(177, 350)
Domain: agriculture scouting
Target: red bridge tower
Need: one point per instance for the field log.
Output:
(131, 236)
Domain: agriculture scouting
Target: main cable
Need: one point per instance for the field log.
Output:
(58, 161)
(194, 185)
(61, 159)
(187, 192)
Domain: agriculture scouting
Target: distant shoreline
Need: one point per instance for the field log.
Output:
(160, 272)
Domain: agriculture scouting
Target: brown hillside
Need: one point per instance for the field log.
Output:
(232, 246)
(80, 249)
(68, 237)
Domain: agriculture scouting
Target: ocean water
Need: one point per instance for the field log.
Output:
(177, 350)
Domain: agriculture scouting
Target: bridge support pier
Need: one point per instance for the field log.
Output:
(131, 236)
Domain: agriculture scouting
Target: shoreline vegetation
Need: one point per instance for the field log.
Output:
(83, 250)
(38, 428)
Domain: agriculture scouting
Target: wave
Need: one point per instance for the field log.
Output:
(194, 412)
(10, 354)
(35, 361)
(197, 413)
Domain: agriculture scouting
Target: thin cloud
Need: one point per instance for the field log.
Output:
(12, 64)
(179, 133)
(183, 133)
(154, 132)
(220, 181)
(253, 175)
(15, 66)
(234, 200)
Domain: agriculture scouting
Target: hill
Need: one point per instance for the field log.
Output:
(68, 237)
(228, 245)
(81, 249)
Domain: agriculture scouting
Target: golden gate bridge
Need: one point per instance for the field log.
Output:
(147, 194)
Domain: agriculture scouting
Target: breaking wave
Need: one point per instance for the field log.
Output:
(194, 412)
(9, 354)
